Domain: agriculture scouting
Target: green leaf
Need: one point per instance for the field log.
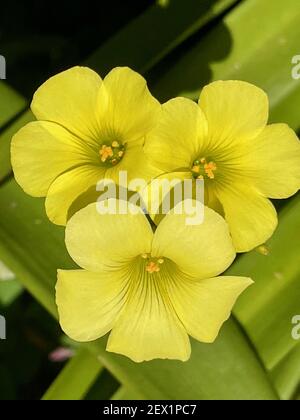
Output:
(76, 378)
(124, 394)
(285, 376)
(104, 387)
(5, 139)
(228, 369)
(11, 103)
(276, 292)
(151, 36)
(245, 50)
(9, 291)
(30, 245)
(10, 288)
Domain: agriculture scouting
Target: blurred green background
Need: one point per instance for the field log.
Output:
(179, 46)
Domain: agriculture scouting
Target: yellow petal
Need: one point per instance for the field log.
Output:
(211, 200)
(72, 191)
(178, 137)
(126, 107)
(205, 305)
(272, 161)
(234, 110)
(89, 303)
(203, 250)
(251, 217)
(70, 99)
(148, 327)
(41, 151)
(97, 241)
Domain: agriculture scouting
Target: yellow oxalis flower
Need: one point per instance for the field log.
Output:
(87, 130)
(151, 293)
(225, 140)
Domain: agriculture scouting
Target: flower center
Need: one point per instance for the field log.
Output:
(152, 264)
(112, 153)
(204, 168)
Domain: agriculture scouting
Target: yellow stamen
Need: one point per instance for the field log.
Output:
(152, 267)
(209, 169)
(112, 154)
(105, 152)
(202, 168)
(153, 264)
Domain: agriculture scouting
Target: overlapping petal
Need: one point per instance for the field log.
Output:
(178, 137)
(235, 110)
(126, 107)
(107, 241)
(70, 99)
(252, 217)
(201, 250)
(272, 161)
(204, 306)
(43, 150)
(89, 303)
(148, 328)
(72, 191)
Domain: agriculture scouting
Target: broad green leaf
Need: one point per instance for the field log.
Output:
(9, 291)
(267, 308)
(124, 394)
(76, 378)
(225, 370)
(5, 139)
(29, 244)
(151, 36)
(5, 273)
(103, 388)
(285, 376)
(256, 43)
(11, 103)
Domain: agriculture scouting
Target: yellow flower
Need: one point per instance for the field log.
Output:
(152, 292)
(225, 140)
(87, 130)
